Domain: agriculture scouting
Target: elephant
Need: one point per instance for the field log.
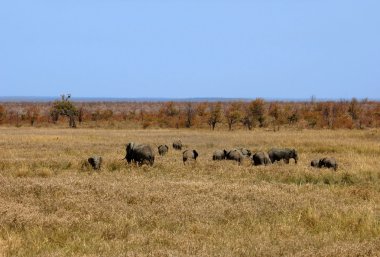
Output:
(261, 158)
(139, 153)
(328, 163)
(219, 155)
(95, 162)
(189, 155)
(245, 152)
(177, 145)
(163, 149)
(277, 154)
(315, 163)
(235, 155)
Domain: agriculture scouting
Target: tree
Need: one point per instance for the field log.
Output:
(257, 110)
(189, 114)
(169, 109)
(2, 113)
(293, 116)
(64, 107)
(355, 110)
(80, 115)
(275, 113)
(214, 115)
(201, 109)
(32, 114)
(247, 118)
(233, 114)
(254, 113)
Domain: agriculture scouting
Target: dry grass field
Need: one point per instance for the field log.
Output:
(50, 205)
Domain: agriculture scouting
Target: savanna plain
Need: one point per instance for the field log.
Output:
(52, 204)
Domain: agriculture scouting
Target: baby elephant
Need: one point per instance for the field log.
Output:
(245, 152)
(285, 154)
(325, 162)
(235, 155)
(95, 162)
(219, 155)
(163, 149)
(315, 163)
(260, 158)
(189, 155)
(177, 145)
(328, 163)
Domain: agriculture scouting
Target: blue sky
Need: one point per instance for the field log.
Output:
(179, 49)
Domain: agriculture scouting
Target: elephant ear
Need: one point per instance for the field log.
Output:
(195, 154)
(130, 146)
(91, 161)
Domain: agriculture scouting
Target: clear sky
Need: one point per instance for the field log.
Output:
(190, 48)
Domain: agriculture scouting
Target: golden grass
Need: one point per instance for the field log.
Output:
(51, 204)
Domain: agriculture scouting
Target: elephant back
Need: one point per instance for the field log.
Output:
(140, 153)
(189, 155)
(235, 155)
(219, 155)
(177, 145)
(163, 149)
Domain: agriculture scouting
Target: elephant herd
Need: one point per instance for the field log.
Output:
(144, 154)
(259, 158)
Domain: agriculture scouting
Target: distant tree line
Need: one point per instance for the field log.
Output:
(213, 115)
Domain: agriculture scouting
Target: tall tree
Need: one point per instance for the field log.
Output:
(355, 111)
(189, 114)
(214, 114)
(32, 114)
(276, 114)
(233, 114)
(254, 113)
(64, 107)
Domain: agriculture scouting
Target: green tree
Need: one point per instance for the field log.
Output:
(64, 107)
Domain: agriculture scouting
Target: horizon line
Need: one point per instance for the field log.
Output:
(174, 99)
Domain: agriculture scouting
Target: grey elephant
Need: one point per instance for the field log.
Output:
(261, 158)
(177, 145)
(245, 152)
(189, 155)
(315, 163)
(163, 149)
(139, 153)
(95, 162)
(219, 155)
(235, 155)
(328, 163)
(277, 154)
